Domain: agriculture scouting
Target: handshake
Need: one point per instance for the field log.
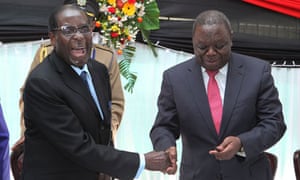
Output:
(164, 161)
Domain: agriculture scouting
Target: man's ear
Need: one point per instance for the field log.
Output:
(52, 38)
(93, 25)
(231, 37)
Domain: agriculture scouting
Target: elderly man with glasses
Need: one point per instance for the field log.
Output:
(67, 111)
(99, 53)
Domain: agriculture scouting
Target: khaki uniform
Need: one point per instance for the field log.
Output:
(103, 55)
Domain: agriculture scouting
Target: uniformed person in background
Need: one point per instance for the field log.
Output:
(99, 53)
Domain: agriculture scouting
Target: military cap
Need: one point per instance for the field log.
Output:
(90, 6)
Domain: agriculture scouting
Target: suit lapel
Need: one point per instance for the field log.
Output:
(73, 81)
(234, 80)
(99, 90)
(198, 91)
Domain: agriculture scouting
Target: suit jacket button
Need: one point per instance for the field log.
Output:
(219, 177)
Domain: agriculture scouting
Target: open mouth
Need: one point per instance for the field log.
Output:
(78, 52)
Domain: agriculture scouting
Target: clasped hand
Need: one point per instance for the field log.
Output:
(164, 161)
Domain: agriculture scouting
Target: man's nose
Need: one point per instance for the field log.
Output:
(211, 51)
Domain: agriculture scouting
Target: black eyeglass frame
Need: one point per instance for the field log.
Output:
(68, 30)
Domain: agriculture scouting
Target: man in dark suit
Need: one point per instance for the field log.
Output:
(68, 116)
(99, 53)
(226, 120)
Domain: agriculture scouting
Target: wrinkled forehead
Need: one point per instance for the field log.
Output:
(71, 16)
(214, 28)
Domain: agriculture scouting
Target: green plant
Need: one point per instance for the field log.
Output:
(119, 23)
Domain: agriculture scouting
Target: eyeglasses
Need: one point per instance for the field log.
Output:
(71, 30)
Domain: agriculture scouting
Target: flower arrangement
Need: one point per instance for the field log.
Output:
(119, 23)
(121, 20)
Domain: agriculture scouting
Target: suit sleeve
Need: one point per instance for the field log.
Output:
(40, 54)
(165, 130)
(270, 125)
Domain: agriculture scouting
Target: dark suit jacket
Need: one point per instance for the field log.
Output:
(65, 136)
(251, 111)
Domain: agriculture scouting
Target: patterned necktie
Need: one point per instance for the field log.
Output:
(214, 98)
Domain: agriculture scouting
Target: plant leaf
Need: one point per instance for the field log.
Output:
(124, 65)
(151, 17)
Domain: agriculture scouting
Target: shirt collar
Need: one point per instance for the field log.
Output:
(223, 70)
(79, 70)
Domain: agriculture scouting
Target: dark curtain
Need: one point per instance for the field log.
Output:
(25, 20)
(257, 31)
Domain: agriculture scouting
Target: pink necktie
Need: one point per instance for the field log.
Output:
(214, 98)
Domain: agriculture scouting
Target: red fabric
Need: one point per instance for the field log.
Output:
(215, 100)
(289, 7)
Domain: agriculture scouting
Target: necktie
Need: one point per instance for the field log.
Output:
(84, 78)
(214, 98)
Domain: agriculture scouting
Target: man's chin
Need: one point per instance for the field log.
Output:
(209, 66)
(79, 61)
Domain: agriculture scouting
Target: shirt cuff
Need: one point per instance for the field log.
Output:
(241, 152)
(141, 166)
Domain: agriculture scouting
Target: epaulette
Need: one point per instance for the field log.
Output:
(44, 50)
(104, 48)
(97, 47)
